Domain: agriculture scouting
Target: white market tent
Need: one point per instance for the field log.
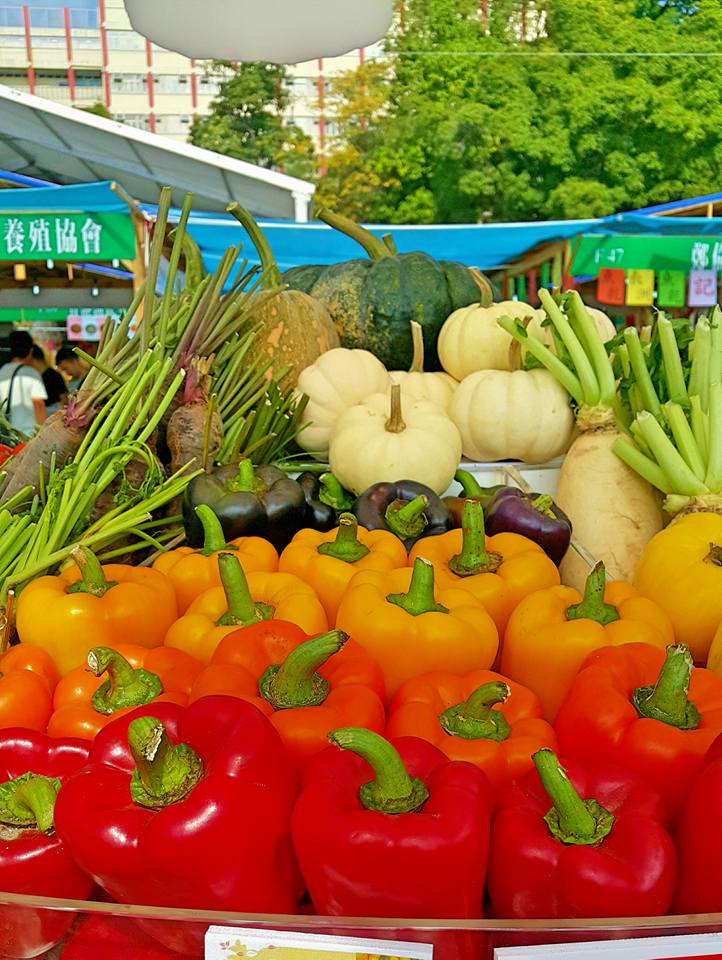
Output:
(40, 138)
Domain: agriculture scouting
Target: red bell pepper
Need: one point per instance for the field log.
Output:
(186, 808)
(33, 860)
(116, 938)
(600, 850)
(392, 829)
(645, 709)
(699, 840)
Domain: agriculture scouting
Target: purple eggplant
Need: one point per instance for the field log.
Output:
(533, 515)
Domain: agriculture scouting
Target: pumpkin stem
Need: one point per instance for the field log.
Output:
(417, 341)
(271, 273)
(390, 243)
(375, 248)
(474, 557)
(486, 294)
(593, 606)
(395, 423)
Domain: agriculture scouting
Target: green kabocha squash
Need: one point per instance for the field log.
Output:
(294, 328)
(304, 277)
(373, 301)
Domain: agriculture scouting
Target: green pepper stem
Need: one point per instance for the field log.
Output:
(668, 700)
(245, 481)
(593, 607)
(346, 546)
(420, 597)
(241, 609)
(93, 579)
(475, 718)
(474, 557)
(125, 686)
(213, 537)
(165, 773)
(407, 519)
(469, 484)
(29, 801)
(392, 790)
(295, 682)
(571, 819)
(333, 494)
(544, 503)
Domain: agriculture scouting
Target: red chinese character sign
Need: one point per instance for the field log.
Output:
(702, 288)
(611, 286)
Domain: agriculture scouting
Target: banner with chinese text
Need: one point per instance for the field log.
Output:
(611, 286)
(640, 288)
(594, 252)
(671, 288)
(66, 236)
(702, 288)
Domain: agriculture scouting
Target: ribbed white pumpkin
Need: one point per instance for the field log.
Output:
(418, 385)
(336, 381)
(385, 438)
(472, 340)
(602, 322)
(512, 415)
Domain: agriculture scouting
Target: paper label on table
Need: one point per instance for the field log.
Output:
(640, 288)
(686, 947)
(671, 288)
(702, 288)
(237, 943)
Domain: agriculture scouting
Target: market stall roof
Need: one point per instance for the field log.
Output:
(40, 138)
(487, 246)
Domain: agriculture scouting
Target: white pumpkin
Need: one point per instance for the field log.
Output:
(602, 322)
(418, 385)
(385, 439)
(336, 381)
(471, 339)
(512, 415)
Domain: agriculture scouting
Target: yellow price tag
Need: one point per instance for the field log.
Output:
(640, 288)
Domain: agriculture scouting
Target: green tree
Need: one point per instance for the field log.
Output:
(562, 108)
(98, 109)
(246, 120)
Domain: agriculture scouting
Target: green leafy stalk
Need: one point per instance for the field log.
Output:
(700, 426)
(631, 455)
(583, 326)
(674, 374)
(647, 393)
(561, 373)
(701, 349)
(684, 438)
(713, 479)
(582, 365)
(679, 475)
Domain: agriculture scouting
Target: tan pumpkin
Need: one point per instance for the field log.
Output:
(385, 439)
(472, 340)
(338, 380)
(418, 385)
(512, 415)
(294, 328)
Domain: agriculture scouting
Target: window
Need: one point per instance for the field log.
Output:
(209, 86)
(13, 40)
(11, 17)
(47, 40)
(84, 19)
(129, 82)
(125, 40)
(138, 120)
(173, 124)
(86, 43)
(47, 17)
(87, 79)
(172, 83)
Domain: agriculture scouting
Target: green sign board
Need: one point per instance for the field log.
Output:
(66, 236)
(646, 253)
(54, 316)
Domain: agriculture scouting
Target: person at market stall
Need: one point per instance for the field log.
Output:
(69, 362)
(22, 391)
(55, 385)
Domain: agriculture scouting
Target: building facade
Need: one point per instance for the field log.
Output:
(83, 52)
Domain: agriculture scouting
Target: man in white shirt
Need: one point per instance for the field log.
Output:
(22, 391)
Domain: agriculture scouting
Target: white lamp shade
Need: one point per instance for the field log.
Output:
(282, 31)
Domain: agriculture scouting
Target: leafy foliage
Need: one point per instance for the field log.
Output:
(553, 109)
(246, 120)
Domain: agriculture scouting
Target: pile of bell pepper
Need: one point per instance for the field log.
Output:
(424, 727)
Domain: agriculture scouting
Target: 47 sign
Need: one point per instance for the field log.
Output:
(66, 236)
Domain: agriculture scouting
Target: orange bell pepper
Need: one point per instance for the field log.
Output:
(499, 571)
(241, 601)
(482, 717)
(306, 687)
(551, 633)
(115, 682)
(26, 656)
(328, 561)
(25, 700)
(192, 572)
(88, 606)
(408, 630)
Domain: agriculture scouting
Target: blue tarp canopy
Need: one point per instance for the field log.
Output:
(81, 198)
